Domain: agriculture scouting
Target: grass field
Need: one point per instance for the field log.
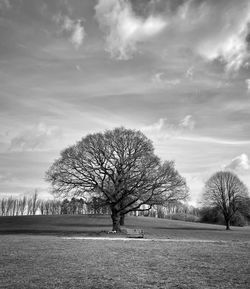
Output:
(195, 255)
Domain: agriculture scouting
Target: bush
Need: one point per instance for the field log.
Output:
(183, 217)
(211, 215)
(238, 220)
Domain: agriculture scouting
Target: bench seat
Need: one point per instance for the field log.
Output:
(135, 233)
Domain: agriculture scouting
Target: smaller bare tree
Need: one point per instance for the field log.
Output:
(47, 208)
(225, 191)
(42, 207)
(15, 207)
(35, 203)
(9, 206)
(22, 205)
(29, 206)
(3, 207)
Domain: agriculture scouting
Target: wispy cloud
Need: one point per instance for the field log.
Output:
(5, 5)
(190, 73)
(232, 49)
(248, 84)
(213, 140)
(162, 129)
(189, 25)
(225, 38)
(38, 137)
(239, 163)
(157, 126)
(160, 79)
(73, 29)
(124, 29)
(187, 122)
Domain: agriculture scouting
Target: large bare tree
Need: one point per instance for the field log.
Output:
(118, 166)
(225, 191)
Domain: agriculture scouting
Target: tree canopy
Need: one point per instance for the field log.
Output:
(118, 166)
(225, 191)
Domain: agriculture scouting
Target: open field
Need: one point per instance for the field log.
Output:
(51, 260)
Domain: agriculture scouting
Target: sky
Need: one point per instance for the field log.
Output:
(178, 70)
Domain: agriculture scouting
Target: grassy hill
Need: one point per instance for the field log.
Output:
(99, 225)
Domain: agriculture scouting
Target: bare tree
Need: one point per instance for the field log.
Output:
(29, 206)
(225, 191)
(3, 206)
(119, 167)
(22, 205)
(15, 207)
(42, 207)
(55, 207)
(35, 203)
(9, 206)
(47, 207)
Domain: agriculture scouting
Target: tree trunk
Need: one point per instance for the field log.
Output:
(115, 216)
(227, 225)
(122, 219)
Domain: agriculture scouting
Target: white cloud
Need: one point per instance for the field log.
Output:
(73, 29)
(157, 126)
(189, 25)
(38, 137)
(78, 34)
(123, 28)
(222, 38)
(187, 122)
(232, 49)
(190, 73)
(5, 5)
(160, 79)
(162, 129)
(215, 30)
(248, 84)
(239, 163)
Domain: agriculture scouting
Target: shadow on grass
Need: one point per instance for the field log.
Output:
(54, 233)
(81, 225)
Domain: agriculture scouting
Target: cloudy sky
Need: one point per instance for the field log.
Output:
(179, 70)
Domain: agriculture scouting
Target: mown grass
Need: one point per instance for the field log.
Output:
(44, 258)
(55, 262)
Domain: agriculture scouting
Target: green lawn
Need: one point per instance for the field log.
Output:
(49, 260)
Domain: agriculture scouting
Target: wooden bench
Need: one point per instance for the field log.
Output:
(135, 233)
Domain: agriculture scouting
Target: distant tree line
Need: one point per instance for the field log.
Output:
(80, 206)
(32, 205)
(28, 205)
